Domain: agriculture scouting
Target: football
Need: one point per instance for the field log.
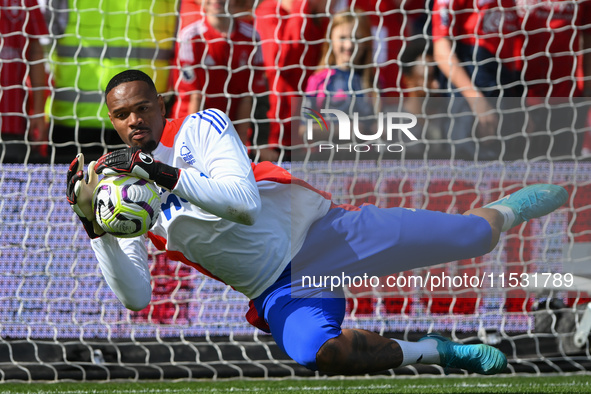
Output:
(126, 206)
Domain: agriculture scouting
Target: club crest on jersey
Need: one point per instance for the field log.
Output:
(187, 155)
(188, 75)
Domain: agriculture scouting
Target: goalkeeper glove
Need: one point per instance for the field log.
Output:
(135, 162)
(79, 193)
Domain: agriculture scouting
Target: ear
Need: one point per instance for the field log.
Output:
(162, 106)
(111, 118)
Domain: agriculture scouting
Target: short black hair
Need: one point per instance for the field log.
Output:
(130, 76)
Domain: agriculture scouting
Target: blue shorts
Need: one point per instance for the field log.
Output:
(372, 241)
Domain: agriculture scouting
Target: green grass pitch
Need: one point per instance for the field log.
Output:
(434, 385)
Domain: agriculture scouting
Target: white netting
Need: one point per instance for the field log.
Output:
(59, 319)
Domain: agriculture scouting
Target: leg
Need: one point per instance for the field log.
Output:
(300, 326)
(359, 351)
(449, 237)
(376, 241)
(309, 331)
(494, 219)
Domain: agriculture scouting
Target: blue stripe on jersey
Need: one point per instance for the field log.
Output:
(216, 116)
(210, 121)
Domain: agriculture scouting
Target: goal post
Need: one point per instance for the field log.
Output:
(530, 296)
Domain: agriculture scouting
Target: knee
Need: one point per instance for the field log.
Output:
(330, 357)
(308, 349)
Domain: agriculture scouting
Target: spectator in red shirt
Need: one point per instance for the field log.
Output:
(220, 66)
(419, 78)
(292, 34)
(556, 33)
(21, 54)
(189, 12)
(482, 33)
(389, 27)
(477, 48)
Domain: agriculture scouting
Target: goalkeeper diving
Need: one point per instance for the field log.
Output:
(255, 228)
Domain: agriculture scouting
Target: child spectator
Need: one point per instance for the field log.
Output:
(419, 77)
(389, 28)
(220, 66)
(477, 48)
(346, 67)
(345, 79)
(292, 33)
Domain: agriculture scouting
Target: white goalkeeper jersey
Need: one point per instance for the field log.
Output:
(230, 219)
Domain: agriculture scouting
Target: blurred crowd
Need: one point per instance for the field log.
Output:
(487, 79)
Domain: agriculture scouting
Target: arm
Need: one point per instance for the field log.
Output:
(225, 186)
(195, 102)
(124, 264)
(126, 272)
(448, 63)
(450, 66)
(243, 118)
(448, 24)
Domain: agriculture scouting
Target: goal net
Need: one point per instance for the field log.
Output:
(59, 319)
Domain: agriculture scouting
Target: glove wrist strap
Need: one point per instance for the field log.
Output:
(166, 176)
(89, 227)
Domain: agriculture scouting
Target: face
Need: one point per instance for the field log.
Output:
(138, 114)
(319, 6)
(343, 44)
(217, 7)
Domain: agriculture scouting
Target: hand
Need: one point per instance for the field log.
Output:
(79, 194)
(39, 133)
(488, 121)
(135, 162)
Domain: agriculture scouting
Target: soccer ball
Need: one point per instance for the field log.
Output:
(125, 206)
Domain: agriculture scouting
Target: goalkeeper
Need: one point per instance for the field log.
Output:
(251, 225)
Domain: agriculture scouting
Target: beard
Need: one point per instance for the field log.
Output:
(149, 146)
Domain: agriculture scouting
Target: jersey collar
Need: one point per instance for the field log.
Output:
(169, 133)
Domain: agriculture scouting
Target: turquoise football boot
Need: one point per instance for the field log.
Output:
(480, 358)
(533, 201)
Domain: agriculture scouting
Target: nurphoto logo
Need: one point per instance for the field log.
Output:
(390, 124)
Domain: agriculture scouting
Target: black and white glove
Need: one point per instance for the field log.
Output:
(79, 193)
(135, 162)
